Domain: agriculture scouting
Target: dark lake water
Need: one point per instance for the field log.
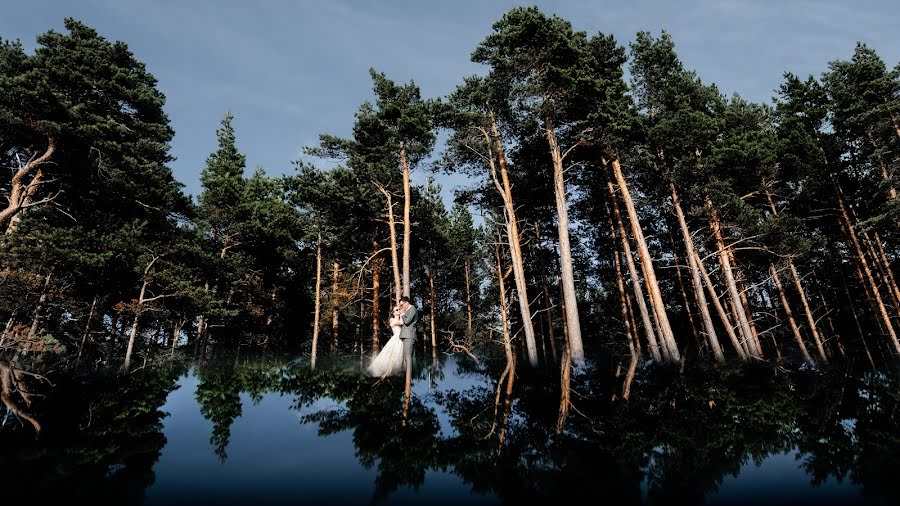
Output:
(270, 431)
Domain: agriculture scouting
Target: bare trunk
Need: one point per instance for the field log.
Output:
(406, 222)
(176, 335)
(432, 297)
(868, 272)
(548, 313)
(315, 336)
(133, 334)
(745, 304)
(730, 283)
(696, 278)
(892, 190)
(335, 305)
(635, 281)
(469, 333)
(35, 321)
(681, 288)
(887, 268)
(790, 315)
(659, 308)
(19, 190)
(376, 295)
(513, 237)
(567, 277)
(723, 315)
(803, 299)
(630, 334)
(395, 264)
(87, 327)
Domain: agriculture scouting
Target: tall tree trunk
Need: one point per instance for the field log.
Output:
(635, 281)
(868, 272)
(432, 297)
(315, 336)
(745, 304)
(176, 334)
(887, 267)
(790, 315)
(730, 283)
(395, 264)
(892, 190)
(469, 332)
(548, 308)
(134, 325)
(406, 222)
(514, 238)
(799, 286)
(567, 277)
(720, 309)
(87, 327)
(36, 319)
(376, 296)
(630, 334)
(882, 268)
(696, 278)
(681, 288)
(335, 304)
(659, 308)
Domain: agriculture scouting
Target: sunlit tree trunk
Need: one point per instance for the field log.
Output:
(432, 298)
(789, 314)
(567, 277)
(395, 264)
(376, 296)
(652, 343)
(730, 283)
(501, 182)
(720, 309)
(21, 193)
(335, 304)
(696, 278)
(406, 223)
(318, 309)
(139, 308)
(469, 331)
(659, 309)
(879, 303)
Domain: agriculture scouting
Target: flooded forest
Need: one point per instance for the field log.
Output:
(644, 290)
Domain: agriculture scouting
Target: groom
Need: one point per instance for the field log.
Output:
(410, 317)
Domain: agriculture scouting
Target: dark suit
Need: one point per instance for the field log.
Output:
(408, 333)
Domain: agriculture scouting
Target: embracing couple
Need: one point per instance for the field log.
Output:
(399, 349)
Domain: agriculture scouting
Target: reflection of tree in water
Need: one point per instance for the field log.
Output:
(102, 435)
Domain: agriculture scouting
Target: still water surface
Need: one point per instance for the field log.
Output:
(276, 432)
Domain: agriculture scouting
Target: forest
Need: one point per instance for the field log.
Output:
(616, 206)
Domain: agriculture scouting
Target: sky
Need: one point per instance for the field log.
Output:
(291, 70)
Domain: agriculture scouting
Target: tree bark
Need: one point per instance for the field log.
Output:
(567, 277)
(696, 278)
(790, 315)
(652, 343)
(887, 267)
(681, 288)
(315, 336)
(469, 333)
(87, 327)
(335, 304)
(395, 264)
(35, 321)
(139, 308)
(406, 222)
(730, 283)
(513, 237)
(18, 189)
(868, 272)
(432, 297)
(723, 315)
(376, 296)
(27, 200)
(667, 338)
(548, 312)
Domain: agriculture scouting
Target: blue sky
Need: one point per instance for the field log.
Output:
(290, 70)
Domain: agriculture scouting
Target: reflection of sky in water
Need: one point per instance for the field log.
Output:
(273, 458)
(780, 479)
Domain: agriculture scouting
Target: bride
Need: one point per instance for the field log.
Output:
(390, 360)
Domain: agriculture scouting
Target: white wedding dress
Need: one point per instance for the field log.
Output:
(390, 360)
